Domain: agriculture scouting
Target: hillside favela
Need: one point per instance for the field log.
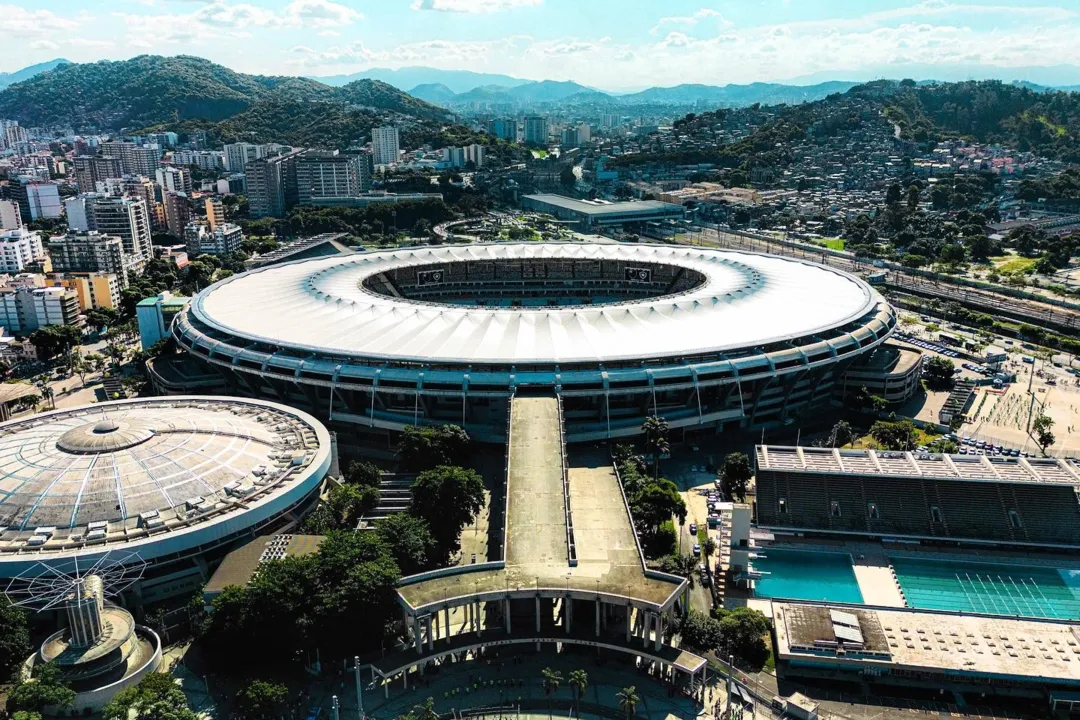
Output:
(534, 359)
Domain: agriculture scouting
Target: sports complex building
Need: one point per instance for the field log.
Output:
(177, 480)
(708, 339)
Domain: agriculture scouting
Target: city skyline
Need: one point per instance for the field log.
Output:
(597, 44)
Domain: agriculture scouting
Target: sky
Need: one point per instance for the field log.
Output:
(607, 44)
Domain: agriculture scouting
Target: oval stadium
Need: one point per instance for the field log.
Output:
(709, 339)
(176, 480)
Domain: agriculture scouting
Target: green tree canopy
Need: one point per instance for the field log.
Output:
(410, 540)
(157, 697)
(735, 475)
(46, 688)
(261, 700)
(938, 372)
(14, 637)
(898, 435)
(425, 448)
(448, 498)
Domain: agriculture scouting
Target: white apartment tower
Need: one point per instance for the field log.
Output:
(385, 145)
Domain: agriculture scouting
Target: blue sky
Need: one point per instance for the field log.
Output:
(611, 44)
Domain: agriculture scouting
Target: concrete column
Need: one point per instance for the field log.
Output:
(537, 614)
(478, 618)
(447, 612)
(568, 613)
(405, 678)
(597, 617)
(645, 626)
(386, 689)
(418, 639)
(659, 630)
(629, 613)
(431, 633)
(435, 621)
(506, 612)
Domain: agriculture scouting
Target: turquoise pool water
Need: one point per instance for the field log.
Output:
(997, 588)
(802, 575)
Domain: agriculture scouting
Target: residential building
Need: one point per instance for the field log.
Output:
(474, 154)
(127, 219)
(80, 211)
(88, 252)
(10, 218)
(155, 315)
(536, 130)
(271, 185)
(134, 159)
(176, 254)
(137, 186)
(174, 179)
(224, 239)
(238, 155)
(215, 212)
(385, 145)
(208, 160)
(24, 309)
(324, 174)
(90, 170)
(163, 139)
(18, 249)
(177, 212)
(235, 184)
(43, 200)
(505, 129)
(454, 156)
(93, 289)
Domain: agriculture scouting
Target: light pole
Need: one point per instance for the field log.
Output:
(359, 688)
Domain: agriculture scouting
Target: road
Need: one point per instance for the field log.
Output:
(1028, 311)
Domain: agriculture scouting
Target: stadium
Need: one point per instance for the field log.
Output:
(708, 339)
(176, 480)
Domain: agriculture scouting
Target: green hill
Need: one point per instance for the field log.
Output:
(151, 90)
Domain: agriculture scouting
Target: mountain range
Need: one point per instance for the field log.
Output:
(457, 81)
(151, 90)
(28, 72)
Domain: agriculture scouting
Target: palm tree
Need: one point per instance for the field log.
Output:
(656, 440)
(578, 680)
(425, 711)
(628, 700)
(552, 680)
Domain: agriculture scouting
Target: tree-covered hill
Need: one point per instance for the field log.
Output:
(151, 90)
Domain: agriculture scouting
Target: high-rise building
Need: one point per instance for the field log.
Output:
(134, 159)
(271, 185)
(215, 212)
(505, 129)
(202, 159)
(322, 174)
(177, 212)
(455, 156)
(43, 199)
(25, 309)
(474, 154)
(385, 145)
(94, 289)
(18, 249)
(238, 155)
(10, 217)
(127, 219)
(536, 130)
(203, 240)
(174, 179)
(83, 252)
(90, 170)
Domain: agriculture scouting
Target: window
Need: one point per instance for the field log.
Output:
(1014, 519)
(834, 508)
(872, 509)
(783, 506)
(935, 514)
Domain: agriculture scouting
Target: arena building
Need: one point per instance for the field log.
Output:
(924, 496)
(592, 214)
(178, 481)
(709, 339)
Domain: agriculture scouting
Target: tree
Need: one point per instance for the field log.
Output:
(552, 679)
(841, 434)
(894, 193)
(700, 631)
(862, 401)
(567, 177)
(628, 700)
(578, 680)
(425, 448)
(743, 632)
(362, 473)
(656, 503)
(899, 435)
(14, 637)
(101, 318)
(54, 340)
(448, 498)
(938, 372)
(116, 353)
(348, 503)
(1043, 425)
(46, 688)
(708, 548)
(655, 430)
(410, 540)
(913, 197)
(156, 697)
(424, 711)
(735, 476)
(261, 700)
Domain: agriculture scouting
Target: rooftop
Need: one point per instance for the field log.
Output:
(594, 207)
(935, 641)
(978, 468)
(239, 566)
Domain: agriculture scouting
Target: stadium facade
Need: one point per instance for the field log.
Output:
(709, 339)
(177, 481)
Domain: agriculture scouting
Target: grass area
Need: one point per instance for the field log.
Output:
(834, 243)
(1013, 264)
(866, 442)
(539, 154)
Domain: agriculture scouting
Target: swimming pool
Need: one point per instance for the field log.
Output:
(802, 575)
(997, 588)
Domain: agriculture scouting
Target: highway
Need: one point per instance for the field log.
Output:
(1043, 315)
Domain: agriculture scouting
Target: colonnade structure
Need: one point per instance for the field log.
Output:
(572, 571)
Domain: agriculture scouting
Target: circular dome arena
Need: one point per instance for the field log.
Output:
(445, 334)
(164, 477)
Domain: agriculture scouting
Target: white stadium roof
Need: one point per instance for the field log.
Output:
(748, 300)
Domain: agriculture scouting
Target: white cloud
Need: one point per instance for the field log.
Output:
(43, 45)
(320, 13)
(20, 22)
(689, 20)
(439, 53)
(473, 6)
